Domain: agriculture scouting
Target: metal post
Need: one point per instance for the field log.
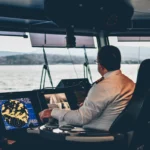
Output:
(102, 39)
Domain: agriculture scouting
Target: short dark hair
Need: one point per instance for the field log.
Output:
(109, 57)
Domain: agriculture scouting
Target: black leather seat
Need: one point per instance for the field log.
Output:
(134, 120)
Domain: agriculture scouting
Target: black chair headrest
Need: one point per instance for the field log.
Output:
(143, 77)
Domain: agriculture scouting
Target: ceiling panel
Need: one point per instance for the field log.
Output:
(114, 15)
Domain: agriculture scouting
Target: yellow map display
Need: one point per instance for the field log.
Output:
(15, 113)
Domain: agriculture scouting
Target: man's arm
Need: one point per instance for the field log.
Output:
(93, 106)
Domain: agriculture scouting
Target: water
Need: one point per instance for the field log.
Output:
(24, 78)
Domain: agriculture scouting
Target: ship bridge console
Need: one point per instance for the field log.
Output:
(99, 18)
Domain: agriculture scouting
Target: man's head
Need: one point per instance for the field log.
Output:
(109, 59)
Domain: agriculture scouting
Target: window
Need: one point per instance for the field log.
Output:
(21, 64)
(133, 51)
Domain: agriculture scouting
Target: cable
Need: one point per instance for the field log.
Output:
(88, 71)
(52, 21)
(72, 62)
(44, 22)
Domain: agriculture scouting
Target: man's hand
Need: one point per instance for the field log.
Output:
(45, 114)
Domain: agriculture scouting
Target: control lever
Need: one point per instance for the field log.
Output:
(52, 124)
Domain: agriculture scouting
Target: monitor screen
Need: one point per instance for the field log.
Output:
(17, 113)
(59, 99)
(80, 96)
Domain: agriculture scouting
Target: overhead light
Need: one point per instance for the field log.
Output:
(80, 5)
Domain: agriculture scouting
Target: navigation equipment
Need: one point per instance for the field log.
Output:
(58, 98)
(18, 113)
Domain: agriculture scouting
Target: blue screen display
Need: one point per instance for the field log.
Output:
(17, 113)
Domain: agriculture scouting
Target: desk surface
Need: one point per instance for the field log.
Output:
(76, 136)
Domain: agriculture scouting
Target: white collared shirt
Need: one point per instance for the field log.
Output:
(104, 102)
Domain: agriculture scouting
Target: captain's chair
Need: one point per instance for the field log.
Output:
(131, 129)
(133, 121)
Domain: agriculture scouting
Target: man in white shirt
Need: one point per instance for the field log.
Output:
(106, 99)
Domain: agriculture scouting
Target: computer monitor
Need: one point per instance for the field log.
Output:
(65, 98)
(76, 90)
(57, 98)
(80, 96)
(18, 113)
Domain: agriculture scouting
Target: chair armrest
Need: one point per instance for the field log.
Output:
(90, 138)
(83, 136)
(99, 137)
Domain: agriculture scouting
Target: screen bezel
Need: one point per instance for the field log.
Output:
(53, 91)
(69, 92)
(16, 95)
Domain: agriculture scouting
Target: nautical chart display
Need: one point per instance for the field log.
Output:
(17, 113)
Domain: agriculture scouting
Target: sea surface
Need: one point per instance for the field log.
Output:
(26, 77)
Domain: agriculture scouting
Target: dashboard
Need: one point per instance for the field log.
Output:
(19, 110)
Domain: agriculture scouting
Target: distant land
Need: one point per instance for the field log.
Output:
(130, 55)
(8, 53)
(37, 59)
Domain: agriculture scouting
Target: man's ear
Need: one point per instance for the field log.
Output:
(101, 66)
(104, 69)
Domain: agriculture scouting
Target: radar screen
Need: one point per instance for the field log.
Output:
(17, 113)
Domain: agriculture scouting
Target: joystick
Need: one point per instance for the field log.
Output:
(52, 124)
